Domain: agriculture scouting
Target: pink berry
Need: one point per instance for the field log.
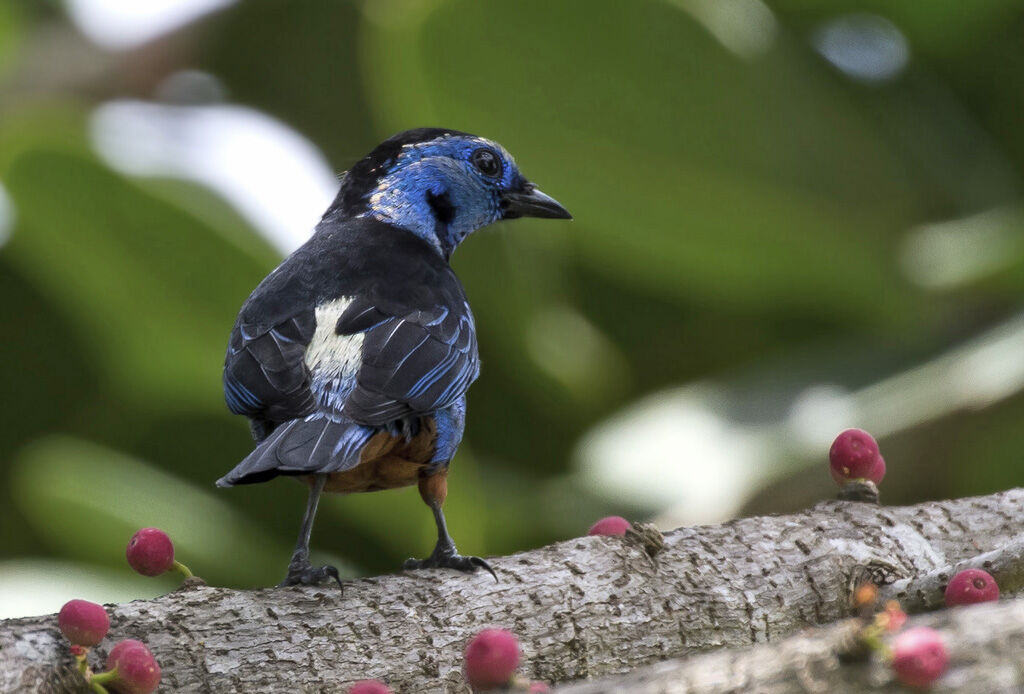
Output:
(919, 657)
(878, 470)
(491, 658)
(137, 670)
(150, 552)
(369, 687)
(610, 525)
(854, 456)
(971, 586)
(82, 622)
(539, 688)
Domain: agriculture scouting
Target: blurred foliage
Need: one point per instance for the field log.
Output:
(740, 218)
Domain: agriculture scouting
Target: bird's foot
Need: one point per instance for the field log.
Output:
(307, 575)
(449, 560)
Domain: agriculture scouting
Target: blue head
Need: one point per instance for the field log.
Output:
(441, 185)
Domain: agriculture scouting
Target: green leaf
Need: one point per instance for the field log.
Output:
(87, 501)
(150, 289)
(9, 26)
(691, 172)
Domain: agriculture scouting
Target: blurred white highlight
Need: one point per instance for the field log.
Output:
(275, 177)
(36, 587)
(817, 414)
(120, 24)
(81, 478)
(6, 216)
(674, 450)
(955, 253)
(745, 27)
(980, 373)
(678, 455)
(863, 46)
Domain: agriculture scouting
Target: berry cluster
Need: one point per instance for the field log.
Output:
(130, 666)
(918, 656)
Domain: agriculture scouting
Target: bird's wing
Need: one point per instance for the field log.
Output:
(413, 362)
(367, 324)
(265, 376)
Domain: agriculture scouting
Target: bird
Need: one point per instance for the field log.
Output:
(353, 357)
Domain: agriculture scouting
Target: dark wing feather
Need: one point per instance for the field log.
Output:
(265, 376)
(419, 350)
(413, 363)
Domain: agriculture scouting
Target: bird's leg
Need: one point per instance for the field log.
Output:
(433, 490)
(300, 571)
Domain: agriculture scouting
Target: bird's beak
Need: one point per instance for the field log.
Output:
(530, 202)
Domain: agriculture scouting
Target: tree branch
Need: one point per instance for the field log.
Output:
(927, 592)
(985, 644)
(583, 608)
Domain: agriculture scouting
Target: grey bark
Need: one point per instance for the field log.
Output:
(985, 645)
(927, 592)
(583, 608)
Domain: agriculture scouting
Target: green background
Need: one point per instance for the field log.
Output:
(763, 243)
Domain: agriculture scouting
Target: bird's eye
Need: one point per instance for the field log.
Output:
(486, 162)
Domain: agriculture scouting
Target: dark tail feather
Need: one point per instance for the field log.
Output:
(302, 447)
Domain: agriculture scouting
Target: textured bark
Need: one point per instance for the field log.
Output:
(927, 592)
(584, 608)
(985, 644)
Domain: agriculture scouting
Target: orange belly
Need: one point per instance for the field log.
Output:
(387, 462)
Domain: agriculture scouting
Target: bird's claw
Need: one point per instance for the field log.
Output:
(449, 561)
(310, 576)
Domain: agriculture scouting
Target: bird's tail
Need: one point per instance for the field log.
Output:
(302, 447)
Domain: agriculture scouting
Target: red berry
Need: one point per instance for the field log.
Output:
(137, 670)
(610, 525)
(971, 586)
(919, 657)
(539, 688)
(854, 456)
(878, 471)
(369, 687)
(150, 552)
(82, 622)
(491, 658)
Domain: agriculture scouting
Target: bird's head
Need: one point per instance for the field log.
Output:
(441, 185)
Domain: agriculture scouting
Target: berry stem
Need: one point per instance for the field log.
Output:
(182, 568)
(83, 666)
(98, 680)
(859, 490)
(98, 688)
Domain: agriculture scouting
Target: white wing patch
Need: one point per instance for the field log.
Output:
(330, 355)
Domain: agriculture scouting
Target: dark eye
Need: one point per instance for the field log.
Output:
(486, 162)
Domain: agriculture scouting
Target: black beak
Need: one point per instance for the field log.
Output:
(530, 202)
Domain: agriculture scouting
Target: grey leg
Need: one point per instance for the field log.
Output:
(300, 571)
(445, 556)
